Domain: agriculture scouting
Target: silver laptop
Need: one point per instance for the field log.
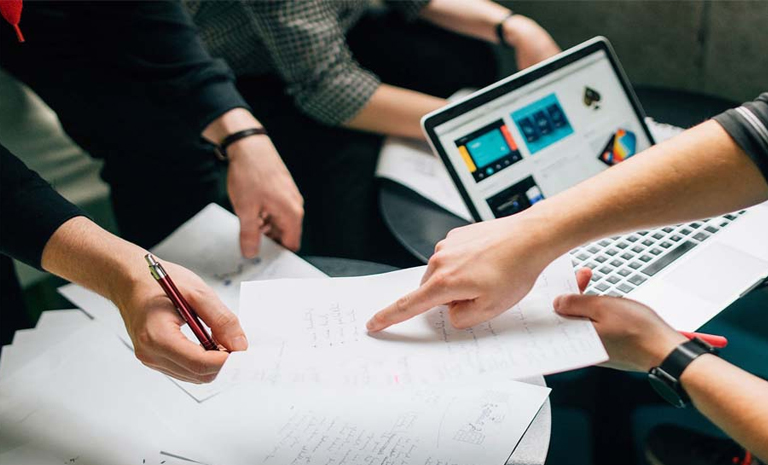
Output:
(543, 130)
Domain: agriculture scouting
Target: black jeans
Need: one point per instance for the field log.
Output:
(334, 166)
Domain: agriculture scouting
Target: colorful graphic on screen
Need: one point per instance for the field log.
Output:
(542, 123)
(621, 145)
(488, 150)
(515, 198)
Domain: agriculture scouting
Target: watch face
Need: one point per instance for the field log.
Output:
(660, 382)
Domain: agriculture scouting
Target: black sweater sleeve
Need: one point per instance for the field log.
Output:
(153, 43)
(748, 126)
(157, 43)
(30, 210)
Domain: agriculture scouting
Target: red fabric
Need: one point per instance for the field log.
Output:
(11, 11)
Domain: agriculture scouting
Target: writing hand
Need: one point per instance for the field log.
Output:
(155, 327)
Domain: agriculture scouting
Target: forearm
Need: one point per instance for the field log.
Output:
(82, 252)
(700, 173)
(733, 399)
(473, 18)
(395, 111)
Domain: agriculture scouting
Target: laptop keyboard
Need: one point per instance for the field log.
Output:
(620, 264)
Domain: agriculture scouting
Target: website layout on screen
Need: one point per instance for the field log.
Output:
(544, 137)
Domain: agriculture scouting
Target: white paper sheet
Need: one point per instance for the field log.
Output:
(52, 327)
(413, 165)
(59, 318)
(319, 334)
(88, 401)
(207, 244)
(458, 425)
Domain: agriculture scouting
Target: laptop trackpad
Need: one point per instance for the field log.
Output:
(718, 274)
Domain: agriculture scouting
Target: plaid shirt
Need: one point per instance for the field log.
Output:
(302, 42)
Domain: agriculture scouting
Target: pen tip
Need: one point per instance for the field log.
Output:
(150, 259)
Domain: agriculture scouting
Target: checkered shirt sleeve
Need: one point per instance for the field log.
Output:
(301, 41)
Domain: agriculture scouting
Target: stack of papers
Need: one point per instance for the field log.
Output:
(70, 392)
(314, 386)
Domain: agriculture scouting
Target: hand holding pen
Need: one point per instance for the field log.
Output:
(154, 323)
(185, 310)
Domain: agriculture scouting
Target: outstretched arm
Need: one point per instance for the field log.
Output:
(702, 172)
(44, 230)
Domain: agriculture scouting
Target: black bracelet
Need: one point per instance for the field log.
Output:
(221, 149)
(500, 31)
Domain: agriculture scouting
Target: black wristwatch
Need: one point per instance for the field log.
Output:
(221, 149)
(665, 378)
(500, 31)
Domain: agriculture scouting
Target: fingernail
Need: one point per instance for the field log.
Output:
(249, 251)
(240, 343)
(556, 303)
(370, 326)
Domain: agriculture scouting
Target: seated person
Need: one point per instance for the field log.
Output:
(479, 272)
(314, 71)
(42, 229)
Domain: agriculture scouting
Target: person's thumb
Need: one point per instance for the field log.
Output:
(223, 323)
(577, 305)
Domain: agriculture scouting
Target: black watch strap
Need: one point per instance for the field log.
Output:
(677, 361)
(666, 377)
(221, 149)
(500, 31)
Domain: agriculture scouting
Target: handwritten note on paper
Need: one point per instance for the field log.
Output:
(321, 326)
(405, 426)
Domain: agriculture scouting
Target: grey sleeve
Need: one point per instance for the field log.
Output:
(748, 126)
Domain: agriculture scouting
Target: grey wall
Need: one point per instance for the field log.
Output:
(716, 47)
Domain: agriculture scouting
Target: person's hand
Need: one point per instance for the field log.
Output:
(531, 42)
(263, 194)
(262, 191)
(155, 326)
(634, 336)
(478, 271)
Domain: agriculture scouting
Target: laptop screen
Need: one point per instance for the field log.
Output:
(543, 137)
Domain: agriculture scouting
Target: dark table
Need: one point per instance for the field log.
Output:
(419, 224)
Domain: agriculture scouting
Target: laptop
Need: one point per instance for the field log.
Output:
(549, 127)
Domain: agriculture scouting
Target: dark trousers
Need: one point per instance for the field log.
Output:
(334, 166)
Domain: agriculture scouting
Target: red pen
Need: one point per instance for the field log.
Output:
(711, 339)
(185, 310)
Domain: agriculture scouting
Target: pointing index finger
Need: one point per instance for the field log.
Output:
(414, 303)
